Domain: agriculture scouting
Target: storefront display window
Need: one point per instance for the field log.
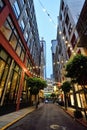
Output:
(13, 84)
(83, 101)
(78, 100)
(4, 70)
(25, 91)
(2, 66)
(8, 86)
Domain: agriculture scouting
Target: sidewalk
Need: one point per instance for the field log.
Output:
(11, 118)
(70, 112)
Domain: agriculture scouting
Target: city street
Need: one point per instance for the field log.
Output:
(47, 117)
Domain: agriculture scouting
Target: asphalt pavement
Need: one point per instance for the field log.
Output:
(9, 119)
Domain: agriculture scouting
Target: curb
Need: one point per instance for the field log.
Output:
(9, 124)
(78, 120)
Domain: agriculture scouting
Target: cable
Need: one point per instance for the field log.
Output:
(45, 10)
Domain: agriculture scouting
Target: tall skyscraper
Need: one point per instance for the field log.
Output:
(43, 58)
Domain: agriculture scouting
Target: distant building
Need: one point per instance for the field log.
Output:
(54, 58)
(19, 51)
(49, 89)
(43, 58)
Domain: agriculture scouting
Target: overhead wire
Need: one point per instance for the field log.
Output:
(48, 14)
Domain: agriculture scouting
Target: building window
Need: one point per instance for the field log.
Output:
(5, 62)
(16, 9)
(73, 40)
(28, 25)
(1, 5)
(69, 52)
(25, 92)
(28, 43)
(6, 30)
(13, 85)
(22, 25)
(60, 16)
(62, 5)
(22, 1)
(10, 32)
(64, 32)
(65, 10)
(10, 22)
(70, 29)
(18, 49)
(22, 55)
(79, 51)
(26, 36)
(13, 41)
(26, 14)
(67, 20)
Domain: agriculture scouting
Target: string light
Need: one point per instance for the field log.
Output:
(45, 10)
(35, 68)
(68, 44)
(60, 32)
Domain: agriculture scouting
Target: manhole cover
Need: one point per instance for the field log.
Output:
(54, 126)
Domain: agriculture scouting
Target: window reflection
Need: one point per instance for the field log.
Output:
(1, 4)
(18, 50)
(22, 25)
(13, 85)
(25, 92)
(9, 67)
(6, 30)
(10, 22)
(13, 41)
(22, 1)
(4, 69)
(22, 55)
(3, 79)
(26, 36)
(16, 9)
(2, 65)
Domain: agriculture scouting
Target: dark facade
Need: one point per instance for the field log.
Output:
(19, 51)
(82, 26)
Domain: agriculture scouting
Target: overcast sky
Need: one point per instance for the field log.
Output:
(47, 29)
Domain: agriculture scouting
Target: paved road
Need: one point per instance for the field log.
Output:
(48, 117)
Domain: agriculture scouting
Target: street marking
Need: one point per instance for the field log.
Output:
(54, 126)
(57, 127)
